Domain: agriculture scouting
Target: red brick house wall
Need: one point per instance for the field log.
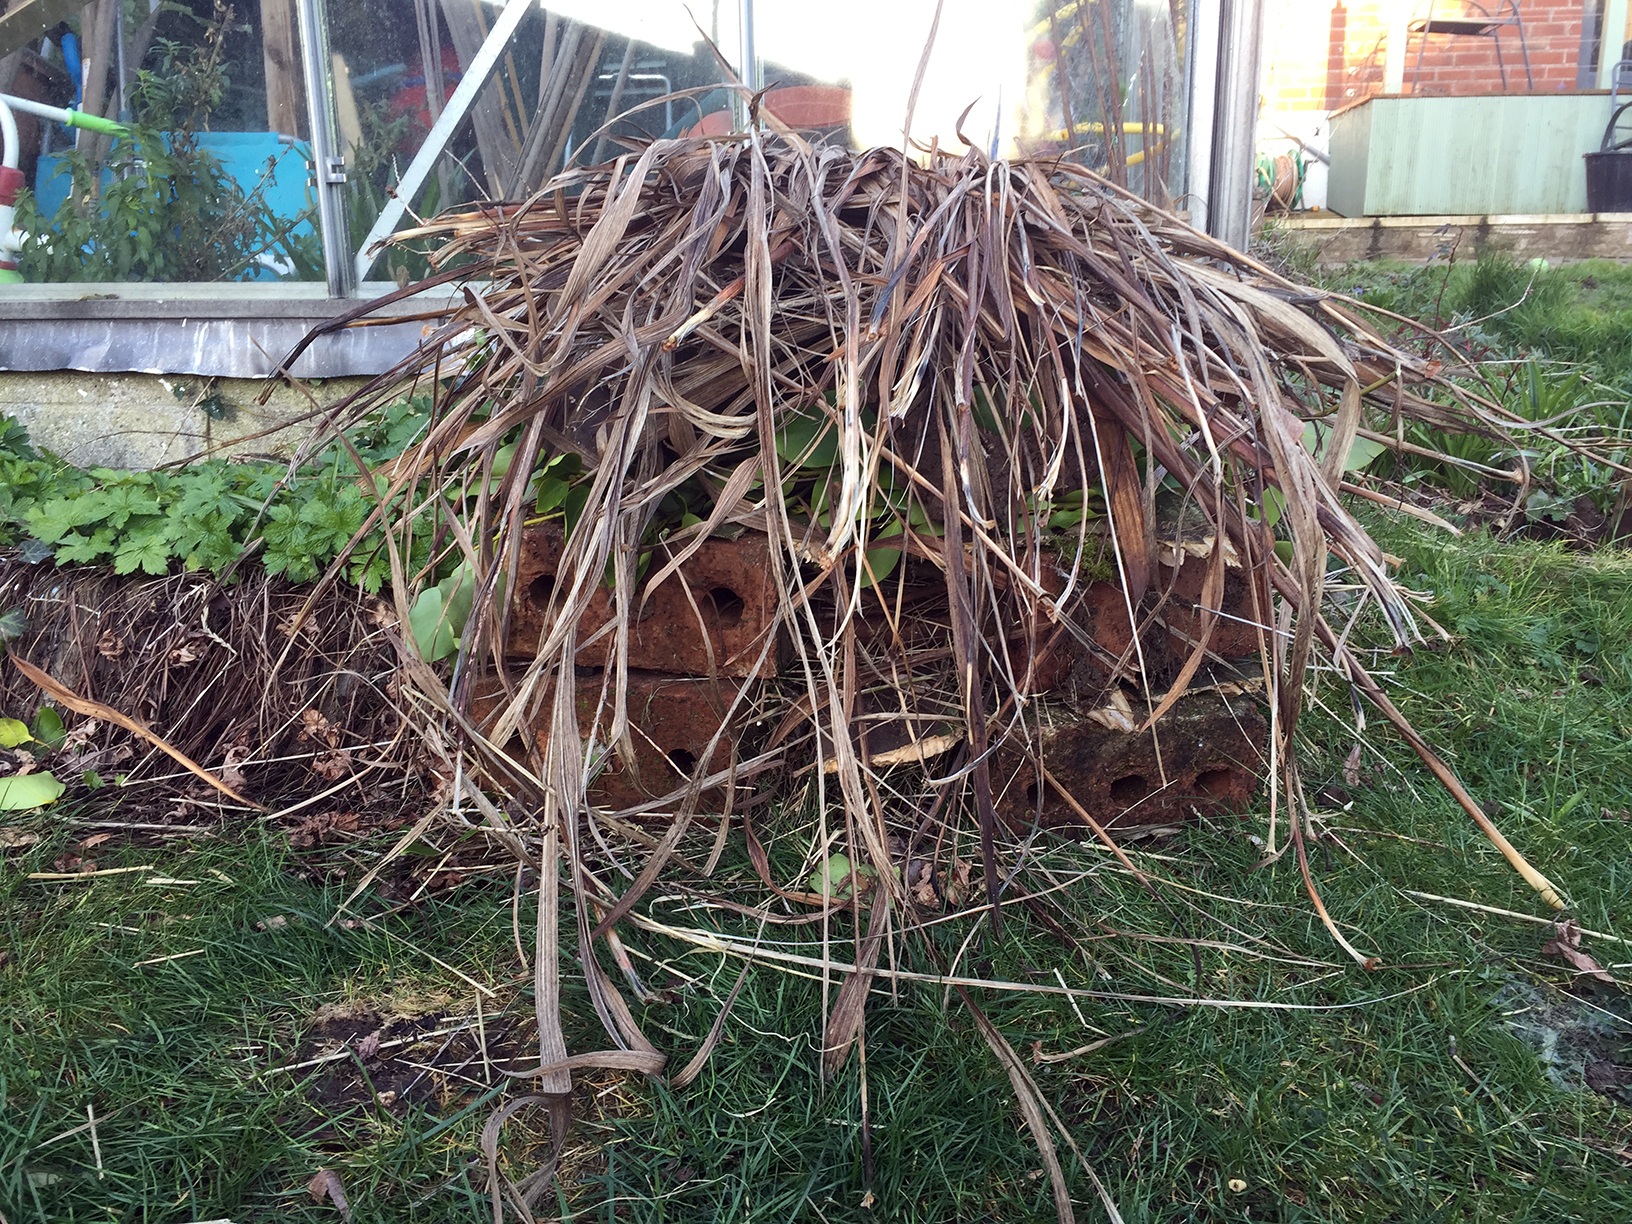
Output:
(1323, 54)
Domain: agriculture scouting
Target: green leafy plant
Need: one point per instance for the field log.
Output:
(837, 877)
(28, 791)
(156, 206)
(204, 515)
(48, 729)
(23, 792)
(439, 614)
(13, 624)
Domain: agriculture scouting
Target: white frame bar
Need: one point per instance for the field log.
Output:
(436, 140)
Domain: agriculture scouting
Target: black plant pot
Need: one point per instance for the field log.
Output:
(1609, 181)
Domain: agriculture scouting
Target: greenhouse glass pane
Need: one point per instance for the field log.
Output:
(207, 179)
(1102, 81)
(559, 76)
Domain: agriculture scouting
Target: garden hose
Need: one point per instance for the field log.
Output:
(71, 118)
(11, 178)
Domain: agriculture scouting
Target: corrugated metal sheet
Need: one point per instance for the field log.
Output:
(224, 331)
(224, 348)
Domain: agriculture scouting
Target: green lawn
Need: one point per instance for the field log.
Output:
(1577, 315)
(1342, 1099)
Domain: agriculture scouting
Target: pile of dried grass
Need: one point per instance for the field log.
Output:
(187, 659)
(987, 346)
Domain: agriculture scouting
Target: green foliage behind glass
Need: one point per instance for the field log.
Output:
(155, 206)
(169, 213)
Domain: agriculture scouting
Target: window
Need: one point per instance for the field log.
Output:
(217, 173)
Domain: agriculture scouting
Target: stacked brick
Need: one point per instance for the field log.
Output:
(694, 642)
(1323, 56)
(698, 638)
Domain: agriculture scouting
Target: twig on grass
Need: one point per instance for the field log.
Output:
(86, 875)
(1534, 919)
(159, 960)
(1039, 1056)
(96, 1143)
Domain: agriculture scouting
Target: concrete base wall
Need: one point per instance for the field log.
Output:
(144, 420)
(1561, 238)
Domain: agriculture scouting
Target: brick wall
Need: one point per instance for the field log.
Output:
(1323, 54)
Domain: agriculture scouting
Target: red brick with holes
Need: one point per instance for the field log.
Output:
(715, 614)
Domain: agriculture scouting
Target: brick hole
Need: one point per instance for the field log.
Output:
(540, 590)
(728, 607)
(1129, 790)
(1215, 782)
(684, 760)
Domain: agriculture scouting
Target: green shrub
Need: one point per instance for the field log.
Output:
(168, 211)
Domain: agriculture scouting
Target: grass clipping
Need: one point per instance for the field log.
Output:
(953, 363)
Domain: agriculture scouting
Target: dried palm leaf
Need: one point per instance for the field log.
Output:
(866, 358)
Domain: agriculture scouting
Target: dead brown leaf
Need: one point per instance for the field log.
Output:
(1351, 767)
(80, 753)
(80, 736)
(957, 883)
(96, 839)
(82, 756)
(232, 772)
(317, 729)
(1566, 943)
(333, 766)
(324, 828)
(273, 923)
(109, 646)
(183, 655)
(325, 1184)
(921, 882)
(441, 783)
(13, 838)
(369, 1047)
